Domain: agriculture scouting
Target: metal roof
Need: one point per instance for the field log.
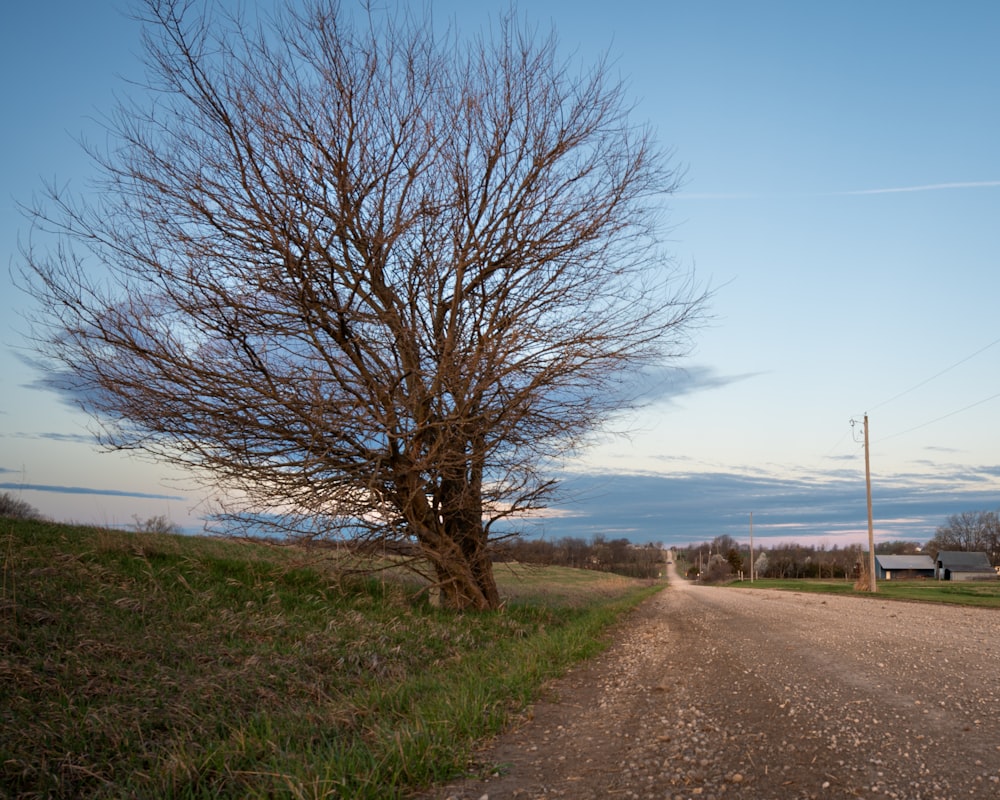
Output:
(961, 561)
(904, 562)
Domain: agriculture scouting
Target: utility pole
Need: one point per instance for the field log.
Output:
(751, 547)
(872, 587)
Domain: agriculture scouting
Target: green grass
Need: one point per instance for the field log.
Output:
(144, 665)
(973, 593)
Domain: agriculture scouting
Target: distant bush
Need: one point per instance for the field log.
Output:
(718, 570)
(14, 508)
(157, 524)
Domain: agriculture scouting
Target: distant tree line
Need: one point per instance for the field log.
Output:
(723, 558)
(619, 556)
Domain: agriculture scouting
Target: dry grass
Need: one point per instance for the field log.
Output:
(180, 667)
(530, 583)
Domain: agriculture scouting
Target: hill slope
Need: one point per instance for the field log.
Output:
(170, 666)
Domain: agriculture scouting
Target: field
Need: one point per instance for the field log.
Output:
(973, 593)
(137, 665)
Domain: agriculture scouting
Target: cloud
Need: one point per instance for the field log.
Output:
(697, 506)
(924, 187)
(729, 196)
(666, 384)
(37, 487)
(847, 457)
(64, 384)
(52, 436)
(927, 187)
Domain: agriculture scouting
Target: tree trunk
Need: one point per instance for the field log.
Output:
(464, 575)
(468, 571)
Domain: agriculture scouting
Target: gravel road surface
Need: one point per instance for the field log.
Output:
(711, 692)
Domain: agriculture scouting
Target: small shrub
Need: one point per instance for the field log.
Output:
(718, 570)
(158, 524)
(14, 508)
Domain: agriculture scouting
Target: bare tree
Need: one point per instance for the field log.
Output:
(161, 524)
(15, 508)
(969, 531)
(368, 279)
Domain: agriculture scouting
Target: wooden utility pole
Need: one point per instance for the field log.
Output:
(751, 547)
(872, 587)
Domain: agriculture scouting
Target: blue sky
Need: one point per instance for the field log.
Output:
(842, 196)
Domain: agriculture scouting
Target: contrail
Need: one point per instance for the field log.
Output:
(927, 187)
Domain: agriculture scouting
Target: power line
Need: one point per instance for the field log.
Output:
(944, 416)
(934, 377)
(923, 383)
(839, 442)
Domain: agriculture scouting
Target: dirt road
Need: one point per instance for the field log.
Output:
(713, 692)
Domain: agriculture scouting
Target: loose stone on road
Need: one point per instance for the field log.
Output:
(709, 692)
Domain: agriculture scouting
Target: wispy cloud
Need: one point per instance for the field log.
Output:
(923, 187)
(52, 436)
(39, 487)
(730, 196)
(926, 187)
(668, 383)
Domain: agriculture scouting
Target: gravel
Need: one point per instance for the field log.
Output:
(711, 692)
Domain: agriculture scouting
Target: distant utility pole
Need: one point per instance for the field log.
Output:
(871, 530)
(751, 547)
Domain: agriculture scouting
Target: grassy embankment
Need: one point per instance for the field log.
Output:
(972, 593)
(180, 667)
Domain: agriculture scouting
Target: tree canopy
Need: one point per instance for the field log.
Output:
(367, 277)
(970, 531)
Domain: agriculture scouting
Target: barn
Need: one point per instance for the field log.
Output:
(894, 568)
(956, 565)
